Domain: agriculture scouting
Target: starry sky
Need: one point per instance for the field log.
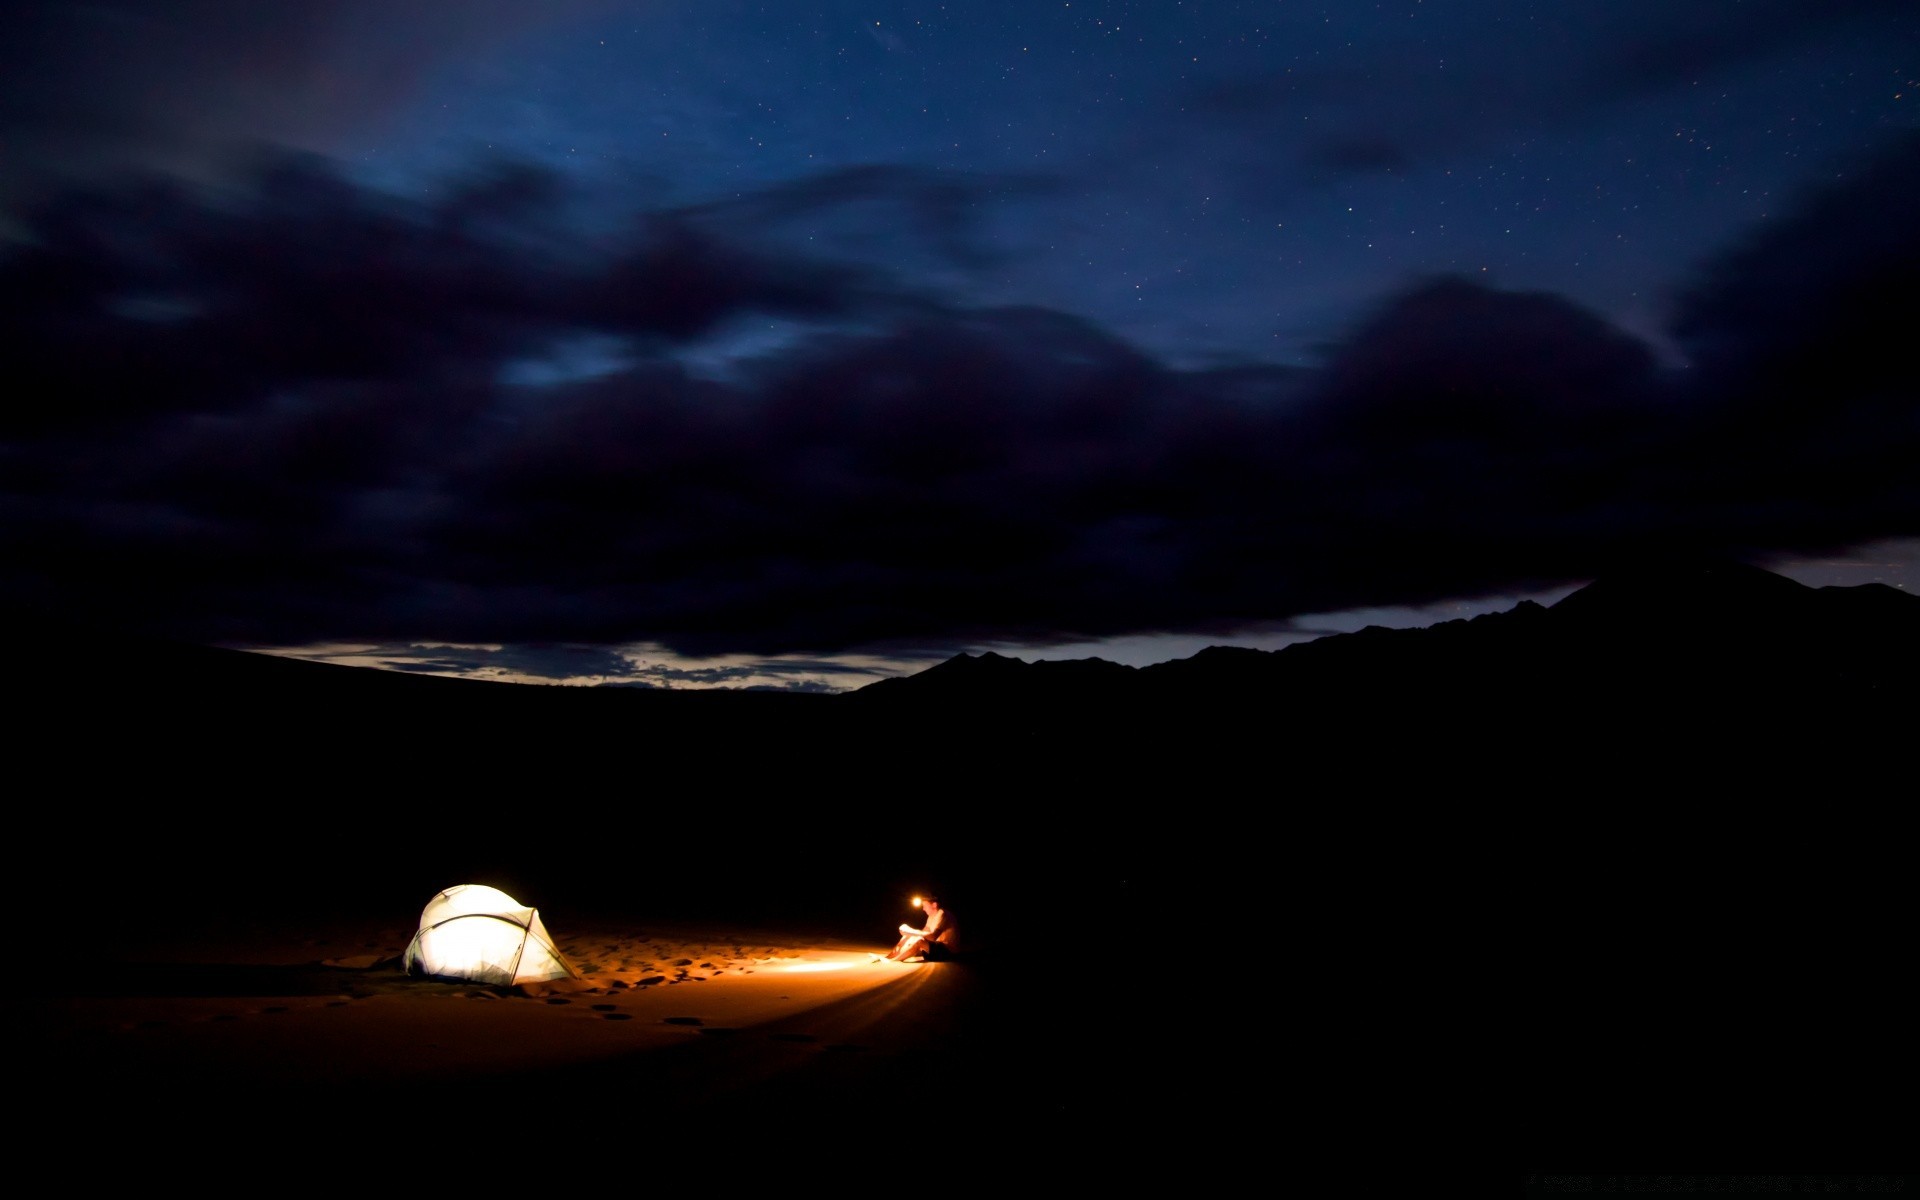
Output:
(795, 344)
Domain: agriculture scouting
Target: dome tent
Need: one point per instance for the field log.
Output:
(480, 934)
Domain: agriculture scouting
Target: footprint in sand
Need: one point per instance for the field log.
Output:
(794, 1037)
(603, 1008)
(650, 980)
(558, 1000)
(616, 1016)
(719, 1031)
(684, 1021)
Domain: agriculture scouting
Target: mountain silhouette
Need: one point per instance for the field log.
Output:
(1724, 634)
(1714, 643)
(1714, 676)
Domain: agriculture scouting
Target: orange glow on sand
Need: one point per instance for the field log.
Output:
(834, 993)
(817, 966)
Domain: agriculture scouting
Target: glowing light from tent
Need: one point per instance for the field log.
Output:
(476, 948)
(480, 933)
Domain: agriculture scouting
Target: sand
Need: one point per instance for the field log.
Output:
(271, 1046)
(293, 1053)
(341, 1009)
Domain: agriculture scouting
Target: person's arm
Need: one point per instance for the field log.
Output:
(934, 922)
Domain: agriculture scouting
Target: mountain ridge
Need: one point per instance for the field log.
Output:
(1716, 630)
(1723, 633)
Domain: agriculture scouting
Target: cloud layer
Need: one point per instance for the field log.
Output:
(301, 412)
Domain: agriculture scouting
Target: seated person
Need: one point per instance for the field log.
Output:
(937, 940)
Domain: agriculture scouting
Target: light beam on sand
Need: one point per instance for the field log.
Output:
(836, 962)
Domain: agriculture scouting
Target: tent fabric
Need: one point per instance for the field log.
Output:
(475, 933)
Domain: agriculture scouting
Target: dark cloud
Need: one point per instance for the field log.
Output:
(752, 678)
(878, 210)
(608, 667)
(290, 420)
(1649, 47)
(535, 660)
(1479, 79)
(155, 299)
(1357, 155)
(1799, 336)
(1822, 284)
(182, 84)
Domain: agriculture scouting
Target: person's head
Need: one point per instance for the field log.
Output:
(930, 902)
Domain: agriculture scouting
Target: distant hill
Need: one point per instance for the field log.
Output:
(1716, 632)
(1709, 650)
(1719, 637)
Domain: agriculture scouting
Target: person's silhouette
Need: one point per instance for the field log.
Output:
(938, 939)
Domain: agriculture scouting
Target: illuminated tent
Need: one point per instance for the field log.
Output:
(474, 932)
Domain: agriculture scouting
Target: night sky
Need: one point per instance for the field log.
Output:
(683, 343)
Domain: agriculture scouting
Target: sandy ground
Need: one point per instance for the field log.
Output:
(298, 1054)
(339, 1009)
(318, 1047)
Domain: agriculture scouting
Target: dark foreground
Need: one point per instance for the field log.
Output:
(1609, 932)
